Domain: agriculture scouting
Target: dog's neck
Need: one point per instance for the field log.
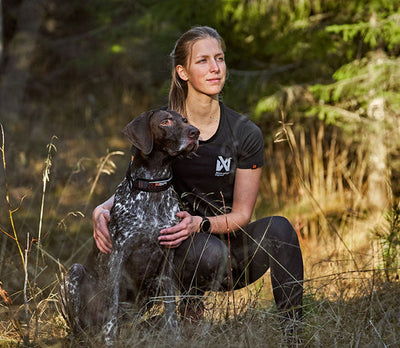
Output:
(150, 173)
(155, 166)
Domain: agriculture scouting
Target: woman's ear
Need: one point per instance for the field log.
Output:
(181, 72)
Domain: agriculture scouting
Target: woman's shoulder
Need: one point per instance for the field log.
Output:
(239, 122)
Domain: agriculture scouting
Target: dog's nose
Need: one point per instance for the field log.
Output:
(193, 132)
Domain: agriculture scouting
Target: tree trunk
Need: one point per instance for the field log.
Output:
(19, 56)
(378, 176)
(1, 31)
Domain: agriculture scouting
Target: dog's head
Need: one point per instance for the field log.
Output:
(166, 131)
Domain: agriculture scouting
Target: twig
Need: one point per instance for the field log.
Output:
(23, 255)
(14, 321)
(46, 178)
(229, 256)
(6, 233)
(102, 170)
(26, 337)
(258, 243)
(287, 134)
(10, 210)
(377, 333)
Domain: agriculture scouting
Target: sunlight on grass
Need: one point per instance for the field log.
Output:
(352, 292)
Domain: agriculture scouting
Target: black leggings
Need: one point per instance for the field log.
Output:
(202, 262)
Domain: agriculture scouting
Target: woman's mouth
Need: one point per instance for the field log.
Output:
(214, 80)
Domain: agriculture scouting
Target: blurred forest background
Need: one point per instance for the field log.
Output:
(320, 77)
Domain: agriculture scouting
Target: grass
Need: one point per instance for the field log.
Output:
(340, 310)
(352, 293)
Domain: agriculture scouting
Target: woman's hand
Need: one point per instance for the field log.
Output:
(173, 236)
(101, 234)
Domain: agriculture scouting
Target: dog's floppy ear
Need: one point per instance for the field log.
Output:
(139, 133)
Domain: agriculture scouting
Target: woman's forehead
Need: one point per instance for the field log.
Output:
(206, 47)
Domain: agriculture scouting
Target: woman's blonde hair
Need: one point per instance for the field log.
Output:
(180, 56)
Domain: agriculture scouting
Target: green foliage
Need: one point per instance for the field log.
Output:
(339, 47)
(389, 237)
(347, 99)
(377, 32)
(102, 62)
(268, 104)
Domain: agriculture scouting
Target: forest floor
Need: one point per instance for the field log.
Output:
(350, 299)
(347, 303)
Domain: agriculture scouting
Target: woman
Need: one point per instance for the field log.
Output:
(215, 246)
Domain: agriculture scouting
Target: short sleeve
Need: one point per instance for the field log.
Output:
(251, 147)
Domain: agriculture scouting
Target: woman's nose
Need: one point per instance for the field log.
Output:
(214, 67)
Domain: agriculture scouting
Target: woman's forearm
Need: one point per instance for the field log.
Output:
(228, 222)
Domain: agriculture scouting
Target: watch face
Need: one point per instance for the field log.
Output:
(206, 225)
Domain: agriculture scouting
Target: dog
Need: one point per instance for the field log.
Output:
(138, 268)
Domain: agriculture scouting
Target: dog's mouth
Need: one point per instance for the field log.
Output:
(190, 147)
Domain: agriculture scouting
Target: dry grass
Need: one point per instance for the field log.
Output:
(348, 298)
(341, 308)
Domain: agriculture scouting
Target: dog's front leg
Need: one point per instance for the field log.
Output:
(169, 294)
(114, 278)
(71, 297)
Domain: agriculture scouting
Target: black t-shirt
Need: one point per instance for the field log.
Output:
(205, 181)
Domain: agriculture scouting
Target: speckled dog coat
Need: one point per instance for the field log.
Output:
(138, 268)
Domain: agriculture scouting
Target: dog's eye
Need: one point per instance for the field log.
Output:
(184, 119)
(166, 122)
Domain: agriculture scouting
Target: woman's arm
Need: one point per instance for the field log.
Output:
(247, 182)
(101, 218)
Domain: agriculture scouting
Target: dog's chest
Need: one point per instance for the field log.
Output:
(139, 216)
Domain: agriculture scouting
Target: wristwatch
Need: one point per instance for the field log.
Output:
(205, 225)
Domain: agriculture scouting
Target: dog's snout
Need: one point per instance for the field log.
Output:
(193, 132)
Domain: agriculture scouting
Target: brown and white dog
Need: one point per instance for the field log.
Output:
(138, 268)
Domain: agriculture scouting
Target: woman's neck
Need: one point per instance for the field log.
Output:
(204, 114)
(202, 111)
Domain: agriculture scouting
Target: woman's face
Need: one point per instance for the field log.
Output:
(205, 69)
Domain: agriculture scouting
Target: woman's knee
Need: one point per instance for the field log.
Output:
(280, 229)
(215, 257)
(204, 263)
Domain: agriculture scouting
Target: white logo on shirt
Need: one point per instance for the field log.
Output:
(223, 166)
